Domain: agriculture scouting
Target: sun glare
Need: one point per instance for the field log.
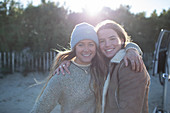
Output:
(94, 6)
(91, 6)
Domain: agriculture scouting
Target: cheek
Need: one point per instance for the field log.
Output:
(101, 46)
(78, 50)
(117, 42)
(93, 49)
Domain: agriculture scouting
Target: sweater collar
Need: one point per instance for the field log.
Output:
(80, 65)
(119, 56)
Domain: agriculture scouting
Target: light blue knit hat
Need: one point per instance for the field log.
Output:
(83, 31)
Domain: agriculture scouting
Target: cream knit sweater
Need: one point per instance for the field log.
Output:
(72, 92)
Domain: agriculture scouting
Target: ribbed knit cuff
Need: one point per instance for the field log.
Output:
(132, 45)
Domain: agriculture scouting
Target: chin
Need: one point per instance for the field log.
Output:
(109, 55)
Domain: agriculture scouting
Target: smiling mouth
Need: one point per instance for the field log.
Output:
(108, 50)
(86, 55)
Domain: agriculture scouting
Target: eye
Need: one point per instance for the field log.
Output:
(101, 41)
(80, 44)
(91, 44)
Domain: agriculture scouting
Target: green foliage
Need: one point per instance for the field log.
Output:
(9, 24)
(40, 28)
(48, 25)
(45, 26)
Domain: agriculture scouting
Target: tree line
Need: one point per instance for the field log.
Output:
(48, 26)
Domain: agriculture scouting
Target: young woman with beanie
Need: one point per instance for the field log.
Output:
(79, 91)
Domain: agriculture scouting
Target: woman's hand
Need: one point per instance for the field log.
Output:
(135, 59)
(63, 67)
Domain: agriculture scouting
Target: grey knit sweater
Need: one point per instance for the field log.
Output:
(72, 92)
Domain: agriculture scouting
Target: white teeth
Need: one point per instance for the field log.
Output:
(87, 55)
(109, 50)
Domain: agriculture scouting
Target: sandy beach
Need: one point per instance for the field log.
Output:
(18, 93)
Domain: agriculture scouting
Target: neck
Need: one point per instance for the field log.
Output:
(82, 65)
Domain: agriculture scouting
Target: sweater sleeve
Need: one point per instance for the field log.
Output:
(50, 96)
(134, 46)
(132, 89)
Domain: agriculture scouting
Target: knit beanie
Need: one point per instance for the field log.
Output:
(83, 31)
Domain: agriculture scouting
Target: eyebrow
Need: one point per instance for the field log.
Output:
(91, 42)
(111, 36)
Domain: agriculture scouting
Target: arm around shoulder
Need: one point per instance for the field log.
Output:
(134, 46)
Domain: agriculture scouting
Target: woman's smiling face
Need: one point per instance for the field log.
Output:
(85, 51)
(109, 41)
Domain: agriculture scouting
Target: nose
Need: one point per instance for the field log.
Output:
(86, 48)
(107, 43)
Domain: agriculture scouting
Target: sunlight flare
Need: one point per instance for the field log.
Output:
(92, 7)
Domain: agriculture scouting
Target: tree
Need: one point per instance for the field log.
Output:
(164, 18)
(10, 14)
(45, 26)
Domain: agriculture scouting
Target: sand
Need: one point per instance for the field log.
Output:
(18, 93)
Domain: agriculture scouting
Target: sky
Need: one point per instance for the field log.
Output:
(94, 6)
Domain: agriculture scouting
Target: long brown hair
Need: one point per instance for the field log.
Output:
(61, 56)
(98, 71)
(110, 24)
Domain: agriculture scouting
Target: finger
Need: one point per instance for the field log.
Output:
(68, 63)
(126, 61)
(66, 69)
(57, 71)
(137, 66)
(142, 63)
(61, 69)
(133, 64)
(65, 64)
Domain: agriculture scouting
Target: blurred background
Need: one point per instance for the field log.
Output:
(31, 31)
